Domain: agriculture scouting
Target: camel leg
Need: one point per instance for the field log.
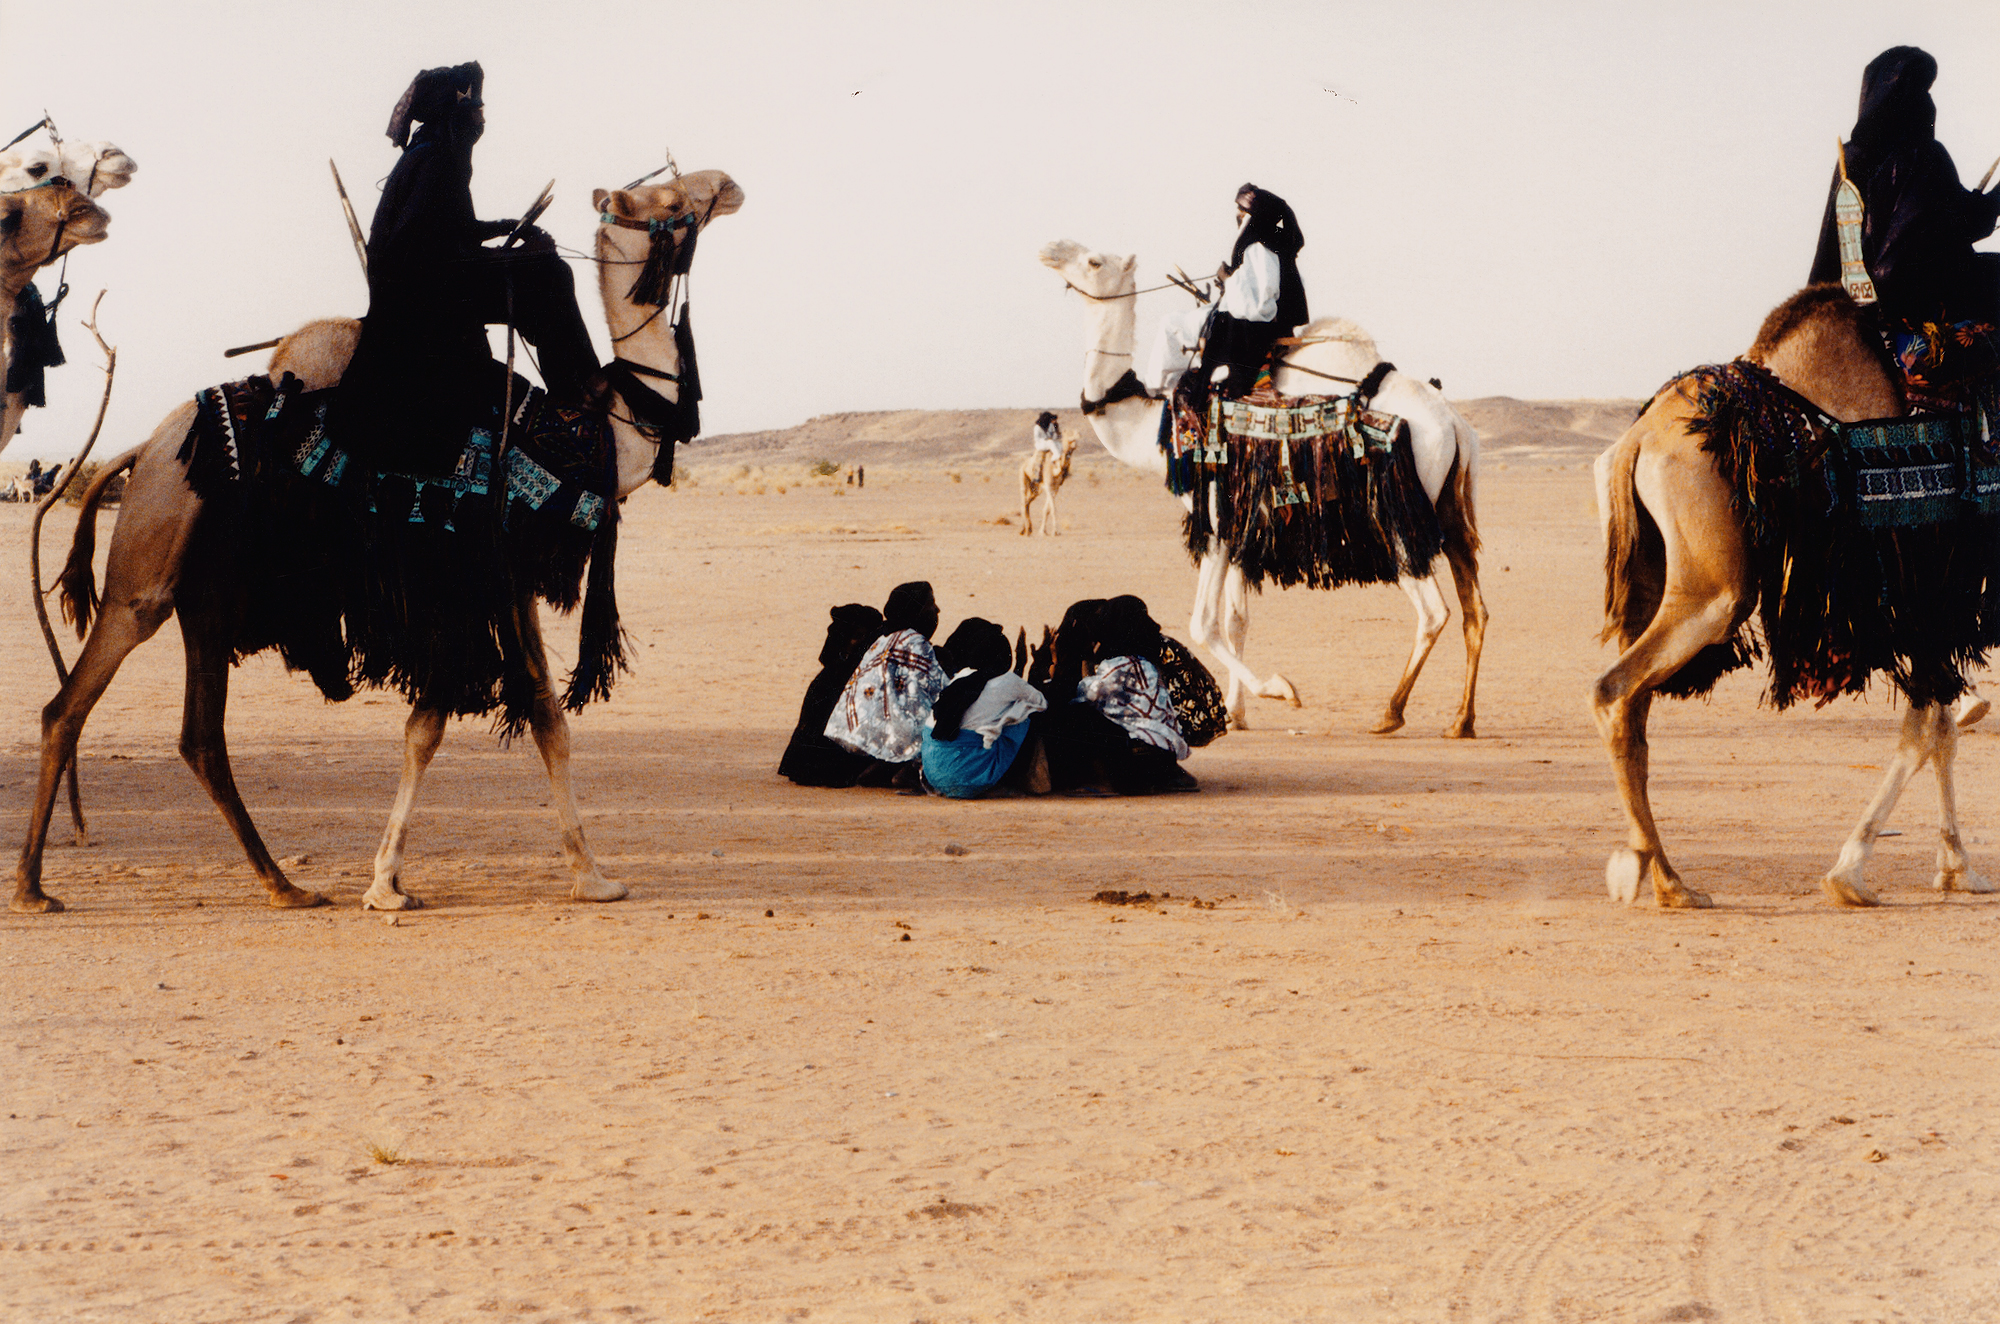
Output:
(1929, 735)
(118, 630)
(1432, 615)
(1220, 623)
(1954, 873)
(1472, 615)
(206, 752)
(422, 735)
(551, 730)
(1028, 486)
(1970, 710)
(1621, 702)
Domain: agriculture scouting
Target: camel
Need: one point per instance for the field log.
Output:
(143, 586)
(1043, 474)
(1675, 549)
(1445, 446)
(44, 213)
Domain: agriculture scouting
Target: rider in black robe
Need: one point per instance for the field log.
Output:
(1919, 222)
(1245, 345)
(422, 375)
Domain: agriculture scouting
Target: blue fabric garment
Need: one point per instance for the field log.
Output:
(965, 769)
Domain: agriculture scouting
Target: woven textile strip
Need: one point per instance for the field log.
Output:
(1313, 490)
(1873, 548)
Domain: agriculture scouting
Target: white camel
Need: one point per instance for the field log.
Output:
(143, 582)
(1445, 446)
(1043, 475)
(46, 210)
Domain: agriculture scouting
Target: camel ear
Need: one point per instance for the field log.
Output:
(616, 203)
(597, 197)
(1131, 263)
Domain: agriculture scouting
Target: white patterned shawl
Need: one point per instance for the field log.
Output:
(881, 712)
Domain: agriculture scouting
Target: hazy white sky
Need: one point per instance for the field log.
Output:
(1539, 200)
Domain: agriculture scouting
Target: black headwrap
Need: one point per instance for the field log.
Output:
(911, 606)
(1126, 629)
(1272, 224)
(982, 646)
(435, 95)
(1919, 223)
(1046, 421)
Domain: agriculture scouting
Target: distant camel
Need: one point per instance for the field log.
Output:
(1044, 474)
(1678, 579)
(144, 582)
(1445, 448)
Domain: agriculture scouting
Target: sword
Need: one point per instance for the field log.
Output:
(353, 226)
(1988, 175)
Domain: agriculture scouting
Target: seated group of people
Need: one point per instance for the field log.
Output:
(890, 708)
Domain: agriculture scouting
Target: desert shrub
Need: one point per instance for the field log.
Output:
(823, 468)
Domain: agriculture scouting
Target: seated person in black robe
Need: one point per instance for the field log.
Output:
(422, 375)
(1919, 223)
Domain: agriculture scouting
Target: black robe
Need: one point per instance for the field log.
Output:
(1919, 222)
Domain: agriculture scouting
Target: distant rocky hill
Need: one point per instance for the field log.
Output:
(1557, 431)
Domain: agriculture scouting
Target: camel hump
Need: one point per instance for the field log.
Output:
(318, 352)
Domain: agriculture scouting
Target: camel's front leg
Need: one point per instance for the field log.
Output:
(552, 739)
(1049, 506)
(1027, 504)
(1432, 615)
(1954, 873)
(422, 735)
(1220, 623)
(1928, 736)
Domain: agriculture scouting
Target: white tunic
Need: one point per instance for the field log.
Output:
(1049, 439)
(1250, 295)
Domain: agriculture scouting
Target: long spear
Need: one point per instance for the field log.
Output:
(353, 226)
(1988, 175)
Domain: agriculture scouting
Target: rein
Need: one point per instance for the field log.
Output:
(1129, 294)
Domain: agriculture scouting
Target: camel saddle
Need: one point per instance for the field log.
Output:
(1320, 490)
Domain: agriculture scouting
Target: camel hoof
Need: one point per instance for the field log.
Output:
(1679, 896)
(1621, 875)
(1390, 723)
(1277, 687)
(598, 888)
(1238, 722)
(1460, 731)
(390, 896)
(295, 898)
(1962, 880)
(1970, 710)
(38, 904)
(1847, 891)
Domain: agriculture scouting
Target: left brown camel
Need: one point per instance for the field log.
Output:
(144, 584)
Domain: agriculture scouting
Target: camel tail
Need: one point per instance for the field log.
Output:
(1626, 610)
(77, 585)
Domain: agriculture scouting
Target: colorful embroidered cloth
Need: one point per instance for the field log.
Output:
(391, 579)
(1313, 490)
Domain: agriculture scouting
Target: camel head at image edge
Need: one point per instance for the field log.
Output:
(40, 224)
(1101, 274)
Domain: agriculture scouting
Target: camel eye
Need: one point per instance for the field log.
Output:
(1097, 262)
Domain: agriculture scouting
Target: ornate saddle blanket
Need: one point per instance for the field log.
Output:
(385, 579)
(1948, 368)
(1314, 490)
(1874, 547)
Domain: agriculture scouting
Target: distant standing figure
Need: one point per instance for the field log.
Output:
(860, 475)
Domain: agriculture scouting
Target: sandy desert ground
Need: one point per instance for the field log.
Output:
(849, 1056)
